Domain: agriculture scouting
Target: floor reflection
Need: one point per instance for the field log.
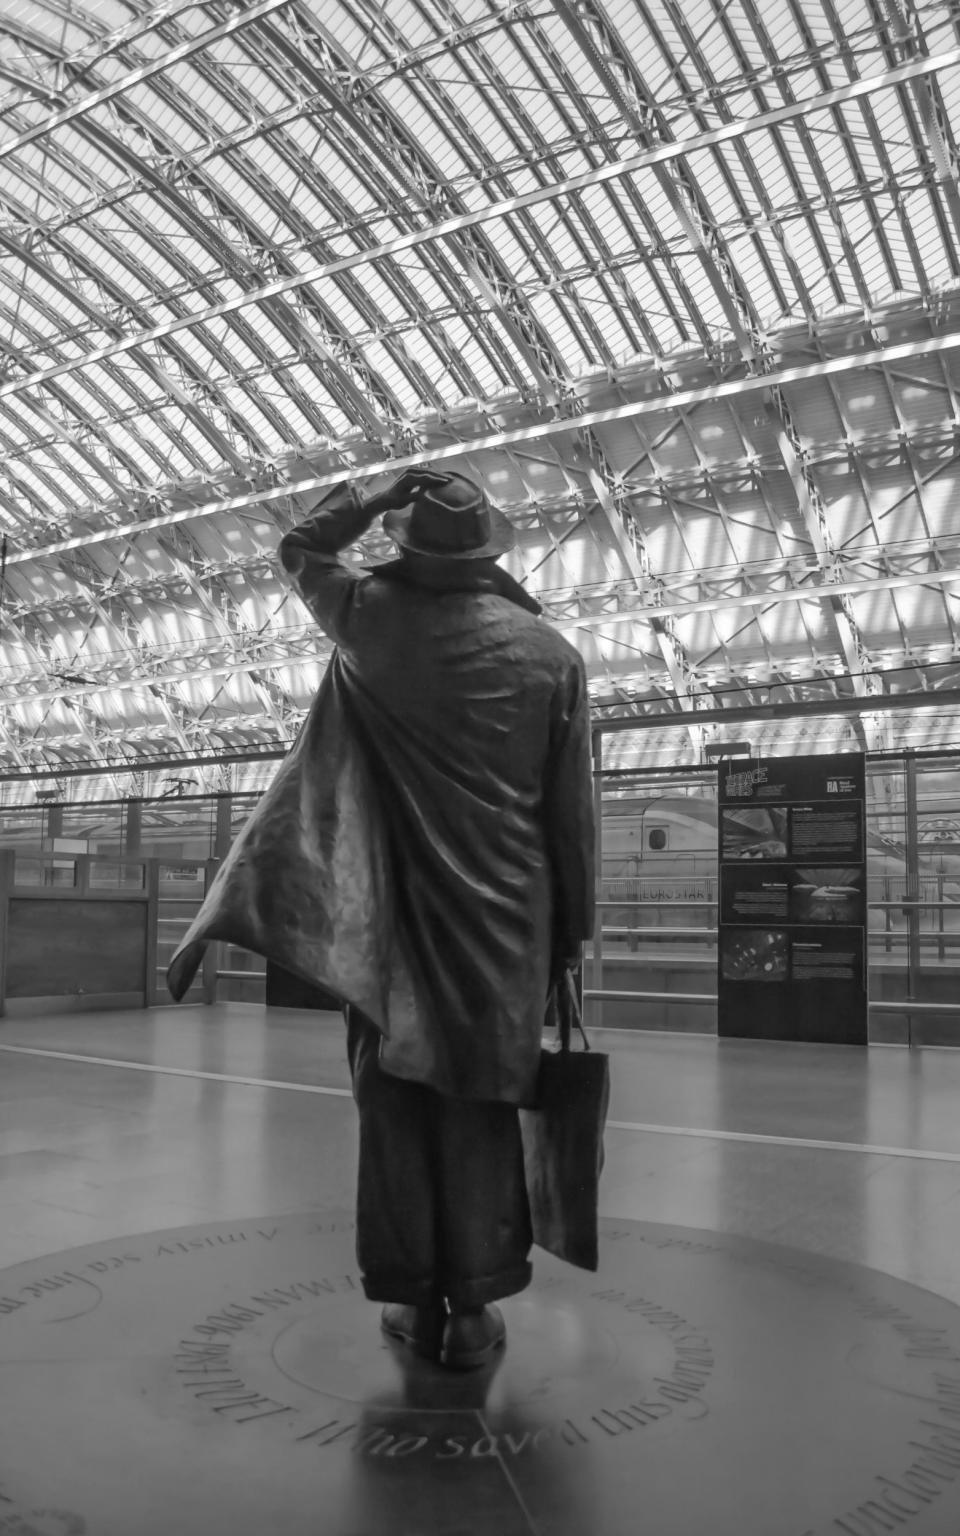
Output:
(444, 1455)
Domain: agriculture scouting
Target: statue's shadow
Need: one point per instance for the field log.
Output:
(418, 1449)
(425, 1384)
(444, 1452)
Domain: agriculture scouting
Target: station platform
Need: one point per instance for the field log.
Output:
(771, 1346)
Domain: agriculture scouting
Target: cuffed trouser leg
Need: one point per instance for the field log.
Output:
(441, 1197)
(396, 1203)
(485, 1234)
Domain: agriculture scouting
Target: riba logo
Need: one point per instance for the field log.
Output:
(841, 787)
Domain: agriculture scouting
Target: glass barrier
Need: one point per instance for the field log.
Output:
(657, 893)
(181, 880)
(45, 872)
(655, 949)
(180, 889)
(116, 875)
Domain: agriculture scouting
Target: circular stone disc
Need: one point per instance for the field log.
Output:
(233, 1378)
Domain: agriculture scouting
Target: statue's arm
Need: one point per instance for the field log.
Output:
(310, 553)
(569, 818)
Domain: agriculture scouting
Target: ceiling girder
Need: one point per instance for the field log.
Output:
(681, 399)
(441, 229)
(249, 16)
(458, 212)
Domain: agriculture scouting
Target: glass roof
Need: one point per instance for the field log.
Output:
(679, 282)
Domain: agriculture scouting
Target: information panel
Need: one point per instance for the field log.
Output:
(793, 899)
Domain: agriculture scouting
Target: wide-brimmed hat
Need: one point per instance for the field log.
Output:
(451, 520)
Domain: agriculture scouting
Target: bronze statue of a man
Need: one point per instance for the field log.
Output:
(425, 852)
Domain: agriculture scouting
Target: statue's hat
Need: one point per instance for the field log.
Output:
(452, 520)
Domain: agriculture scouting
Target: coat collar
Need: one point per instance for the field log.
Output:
(456, 576)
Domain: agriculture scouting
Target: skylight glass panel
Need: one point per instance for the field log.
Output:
(245, 409)
(835, 165)
(87, 168)
(389, 373)
(905, 277)
(305, 213)
(15, 432)
(40, 329)
(259, 316)
(592, 300)
(608, 209)
(875, 268)
(31, 484)
(853, 16)
(305, 378)
(925, 228)
(374, 289)
(197, 344)
(25, 191)
(362, 42)
(34, 285)
(196, 440)
(425, 353)
(160, 103)
(894, 128)
(645, 46)
(50, 178)
(770, 33)
(251, 209)
(228, 342)
(553, 317)
(438, 149)
(102, 262)
(804, 162)
(152, 41)
(776, 188)
(858, 121)
(338, 299)
(123, 389)
(164, 438)
(413, 269)
(416, 28)
(536, 93)
(147, 269)
(355, 190)
(705, 298)
(300, 427)
(477, 358)
(153, 214)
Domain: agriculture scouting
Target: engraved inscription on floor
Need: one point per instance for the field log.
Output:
(234, 1377)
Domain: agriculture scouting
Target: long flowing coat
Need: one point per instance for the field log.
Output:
(426, 849)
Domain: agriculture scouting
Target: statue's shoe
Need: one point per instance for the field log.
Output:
(420, 1328)
(470, 1339)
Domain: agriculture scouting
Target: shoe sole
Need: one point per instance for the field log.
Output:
(418, 1346)
(455, 1360)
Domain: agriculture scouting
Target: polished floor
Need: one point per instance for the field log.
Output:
(121, 1124)
(725, 1135)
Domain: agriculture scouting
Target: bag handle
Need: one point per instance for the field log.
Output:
(568, 1012)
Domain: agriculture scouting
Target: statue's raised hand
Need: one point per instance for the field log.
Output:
(404, 489)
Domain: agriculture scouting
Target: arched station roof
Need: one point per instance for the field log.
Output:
(678, 279)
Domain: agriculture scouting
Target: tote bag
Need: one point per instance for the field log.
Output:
(563, 1140)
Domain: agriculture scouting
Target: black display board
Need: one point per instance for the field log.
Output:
(793, 899)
